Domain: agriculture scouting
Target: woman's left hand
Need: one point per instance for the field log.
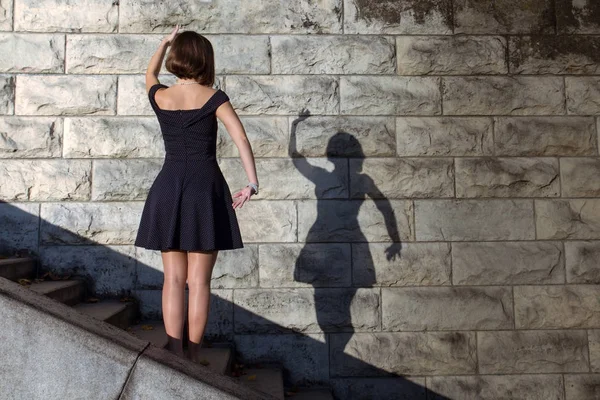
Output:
(170, 38)
(242, 196)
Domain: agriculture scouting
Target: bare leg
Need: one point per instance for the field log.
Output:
(200, 266)
(173, 297)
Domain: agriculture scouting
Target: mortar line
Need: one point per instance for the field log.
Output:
(131, 371)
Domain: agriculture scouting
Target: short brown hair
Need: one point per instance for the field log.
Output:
(192, 57)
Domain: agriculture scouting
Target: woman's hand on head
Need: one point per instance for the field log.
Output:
(170, 38)
(242, 196)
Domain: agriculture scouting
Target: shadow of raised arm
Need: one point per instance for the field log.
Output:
(300, 162)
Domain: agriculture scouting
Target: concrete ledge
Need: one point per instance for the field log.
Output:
(50, 351)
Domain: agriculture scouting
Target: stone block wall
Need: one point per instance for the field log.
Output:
(460, 136)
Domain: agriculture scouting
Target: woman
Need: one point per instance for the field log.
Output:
(189, 213)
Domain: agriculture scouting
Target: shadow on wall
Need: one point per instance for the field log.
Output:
(308, 358)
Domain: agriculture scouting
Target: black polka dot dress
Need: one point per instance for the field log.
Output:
(189, 205)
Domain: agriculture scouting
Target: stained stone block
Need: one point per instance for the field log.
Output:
(507, 177)
(583, 95)
(114, 137)
(578, 17)
(465, 220)
(354, 221)
(446, 55)
(32, 53)
(389, 95)
(22, 221)
(582, 386)
(268, 136)
(380, 388)
(109, 269)
(231, 16)
(504, 16)
(133, 98)
(556, 307)
(297, 178)
(305, 264)
(398, 17)
(90, 222)
(345, 136)
(124, 179)
(594, 342)
(353, 54)
(394, 178)
(568, 219)
(545, 136)
(66, 16)
(582, 261)
(580, 176)
(444, 136)
(554, 55)
(418, 264)
(30, 137)
(536, 351)
(490, 387)
(508, 263)
(7, 94)
(45, 180)
(446, 308)
(306, 310)
(492, 95)
(6, 15)
(410, 353)
(65, 95)
(268, 221)
(284, 94)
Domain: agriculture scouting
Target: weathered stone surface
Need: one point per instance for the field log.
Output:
(380, 388)
(550, 307)
(344, 136)
(268, 221)
(417, 264)
(398, 17)
(231, 16)
(283, 94)
(493, 95)
(583, 95)
(124, 179)
(504, 16)
(508, 263)
(580, 176)
(395, 178)
(545, 136)
(582, 261)
(457, 220)
(594, 343)
(411, 353)
(87, 223)
(507, 177)
(304, 356)
(305, 264)
(352, 54)
(568, 219)
(22, 221)
(446, 308)
(537, 351)
(444, 136)
(554, 55)
(241, 54)
(577, 17)
(446, 55)
(489, 387)
(582, 386)
(110, 269)
(307, 310)
(132, 96)
(7, 94)
(296, 178)
(6, 15)
(267, 135)
(354, 221)
(32, 53)
(66, 16)
(30, 137)
(114, 137)
(65, 95)
(45, 180)
(389, 95)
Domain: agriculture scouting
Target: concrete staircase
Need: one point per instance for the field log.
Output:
(123, 313)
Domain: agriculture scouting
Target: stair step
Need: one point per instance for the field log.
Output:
(115, 312)
(16, 268)
(311, 394)
(68, 291)
(220, 359)
(157, 335)
(266, 380)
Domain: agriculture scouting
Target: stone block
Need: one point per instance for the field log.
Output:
(581, 386)
(124, 179)
(268, 221)
(7, 94)
(27, 53)
(567, 218)
(583, 95)
(577, 17)
(268, 136)
(22, 221)
(582, 261)
(580, 176)
(31, 137)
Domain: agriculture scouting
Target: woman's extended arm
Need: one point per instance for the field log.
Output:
(157, 60)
